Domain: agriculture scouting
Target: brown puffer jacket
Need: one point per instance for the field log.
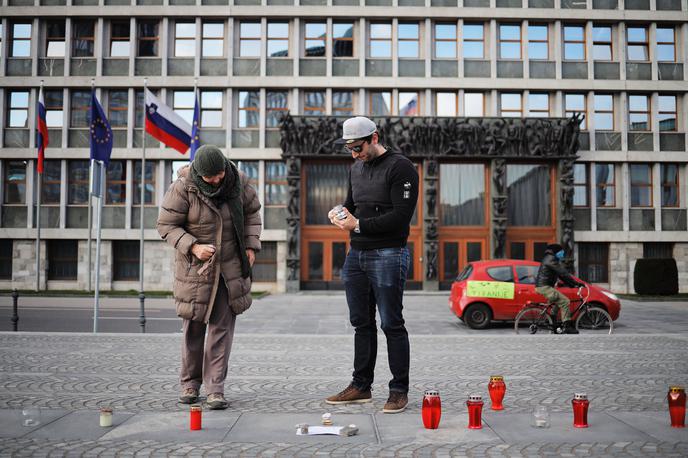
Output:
(187, 217)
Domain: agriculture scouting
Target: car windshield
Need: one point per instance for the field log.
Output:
(465, 273)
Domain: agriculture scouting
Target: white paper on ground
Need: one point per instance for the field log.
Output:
(316, 430)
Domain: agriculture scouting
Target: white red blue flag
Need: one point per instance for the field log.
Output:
(166, 125)
(42, 128)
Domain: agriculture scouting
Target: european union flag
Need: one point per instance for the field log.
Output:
(101, 133)
(195, 128)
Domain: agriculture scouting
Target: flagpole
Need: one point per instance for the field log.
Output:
(38, 215)
(90, 209)
(142, 296)
(100, 218)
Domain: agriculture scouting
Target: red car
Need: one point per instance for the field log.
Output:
(496, 290)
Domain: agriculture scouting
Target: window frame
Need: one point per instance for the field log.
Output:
(482, 100)
(6, 260)
(10, 108)
(72, 258)
(508, 41)
(21, 184)
(47, 182)
(604, 112)
(335, 39)
(582, 184)
(566, 42)
(115, 109)
(401, 41)
(255, 108)
(153, 38)
(136, 180)
(54, 108)
(455, 96)
(502, 111)
(670, 184)
(370, 102)
(340, 110)
(647, 113)
(123, 254)
(270, 180)
(603, 44)
(645, 45)
(208, 108)
(86, 39)
(568, 113)
(183, 40)
(119, 182)
(120, 38)
(438, 41)
(269, 110)
(383, 39)
(322, 38)
(661, 112)
(269, 39)
(642, 185)
(418, 102)
(249, 39)
(14, 39)
(545, 113)
(606, 186)
(321, 109)
(72, 181)
(545, 41)
(666, 43)
(55, 39)
(480, 40)
(206, 39)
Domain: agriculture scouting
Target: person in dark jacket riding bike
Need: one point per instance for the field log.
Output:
(550, 271)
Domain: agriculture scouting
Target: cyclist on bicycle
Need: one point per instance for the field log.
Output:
(550, 271)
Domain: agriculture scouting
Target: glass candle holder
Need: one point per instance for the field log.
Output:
(677, 406)
(580, 410)
(475, 411)
(540, 417)
(431, 410)
(105, 417)
(195, 422)
(497, 389)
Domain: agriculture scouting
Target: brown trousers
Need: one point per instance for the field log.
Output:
(210, 366)
(557, 298)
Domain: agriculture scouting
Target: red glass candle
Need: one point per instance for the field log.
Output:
(677, 406)
(497, 389)
(580, 410)
(195, 423)
(475, 411)
(432, 409)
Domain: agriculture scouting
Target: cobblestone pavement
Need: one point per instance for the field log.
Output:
(624, 375)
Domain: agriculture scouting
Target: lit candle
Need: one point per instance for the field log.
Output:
(106, 417)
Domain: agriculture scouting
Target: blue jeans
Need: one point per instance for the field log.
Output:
(377, 277)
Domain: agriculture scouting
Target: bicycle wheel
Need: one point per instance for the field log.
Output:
(594, 320)
(533, 320)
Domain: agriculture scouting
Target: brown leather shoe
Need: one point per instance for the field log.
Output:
(217, 401)
(188, 396)
(396, 402)
(350, 395)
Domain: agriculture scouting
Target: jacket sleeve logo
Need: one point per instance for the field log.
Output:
(407, 190)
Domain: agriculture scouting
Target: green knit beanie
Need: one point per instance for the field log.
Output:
(209, 161)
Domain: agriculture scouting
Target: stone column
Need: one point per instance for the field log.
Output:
(293, 282)
(430, 242)
(499, 197)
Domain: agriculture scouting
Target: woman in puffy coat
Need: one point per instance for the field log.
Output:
(210, 215)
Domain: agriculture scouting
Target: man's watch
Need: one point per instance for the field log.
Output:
(357, 229)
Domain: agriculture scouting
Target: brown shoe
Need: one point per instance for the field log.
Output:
(350, 395)
(217, 401)
(396, 402)
(188, 396)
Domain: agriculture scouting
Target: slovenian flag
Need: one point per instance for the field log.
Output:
(42, 127)
(166, 125)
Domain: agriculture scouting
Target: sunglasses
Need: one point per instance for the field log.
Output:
(357, 148)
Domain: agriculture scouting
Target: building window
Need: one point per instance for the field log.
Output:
(593, 262)
(5, 256)
(213, 44)
(1, 40)
(473, 41)
(249, 103)
(445, 41)
(314, 103)
(380, 103)
(462, 194)
(474, 104)
(83, 42)
(183, 104)
(409, 103)
(51, 182)
(658, 250)
(265, 266)
(641, 185)
(278, 39)
(118, 108)
(602, 43)
(604, 112)
(149, 190)
(148, 38)
(55, 39)
(580, 185)
(119, 39)
(15, 182)
(77, 182)
(250, 168)
(185, 39)
(125, 260)
(605, 185)
(275, 194)
(408, 40)
(574, 42)
(528, 195)
(538, 42)
(668, 116)
(670, 187)
(636, 38)
(116, 183)
(511, 105)
(63, 256)
(380, 40)
(315, 39)
(277, 105)
(18, 109)
(666, 44)
(211, 108)
(249, 39)
(509, 41)
(638, 112)
(342, 103)
(342, 39)
(538, 105)
(576, 103)
(54, 108)
(21, 40)
(446, 103)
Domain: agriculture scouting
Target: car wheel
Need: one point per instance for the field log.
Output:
(478, 316)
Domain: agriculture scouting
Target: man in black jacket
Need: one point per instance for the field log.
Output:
(550, 271)
(381, 199)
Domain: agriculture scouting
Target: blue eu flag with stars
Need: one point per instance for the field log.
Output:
(195, 128)
(100, 132)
